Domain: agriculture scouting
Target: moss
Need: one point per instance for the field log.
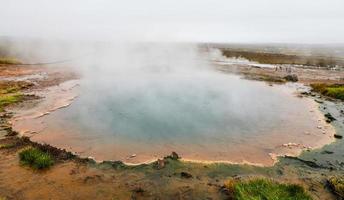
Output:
(6, 146)
(9, 99)
(265, 189)
(337, 185)
(9, 60)
(13, 86)
(335, 91)
(11, 89)
(36, 158)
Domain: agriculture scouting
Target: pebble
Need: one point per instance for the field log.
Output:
(337, 136)
(308, 148)
(132, 156)
(290, 144)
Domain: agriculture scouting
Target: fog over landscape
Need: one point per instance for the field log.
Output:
(172, 99)
(293, 21)
(148, 84)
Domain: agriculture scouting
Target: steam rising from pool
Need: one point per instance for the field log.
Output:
(149, 100)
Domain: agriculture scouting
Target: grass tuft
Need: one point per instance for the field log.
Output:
(11, 89)
(36, 158)
(8, 99)
(337, 185)
(6, 146)
(334, 91)
(265, 189)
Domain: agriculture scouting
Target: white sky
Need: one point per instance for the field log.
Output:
(299, 21)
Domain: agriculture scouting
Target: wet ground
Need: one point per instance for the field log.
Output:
(80, 179)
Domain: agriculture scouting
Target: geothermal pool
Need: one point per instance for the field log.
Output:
(203, 116)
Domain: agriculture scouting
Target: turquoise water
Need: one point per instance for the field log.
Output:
(202, 116)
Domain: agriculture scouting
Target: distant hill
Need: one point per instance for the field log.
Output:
(312, 55)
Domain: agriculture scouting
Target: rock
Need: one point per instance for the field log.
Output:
(337, 136)
(318, 101)
(305, 93)
(185, 175)
(173, 156)
(327, 152)
(329, 118)
(291, 77)
(10, 131)
(132, 156)
(308, 148)
(90, 158)
(225, 191)
(290, 144)
(138, 190)
(160, 163)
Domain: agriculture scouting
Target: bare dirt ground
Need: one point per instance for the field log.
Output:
(305, 75)
(74, 178)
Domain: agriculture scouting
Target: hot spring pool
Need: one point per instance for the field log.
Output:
(206, 116)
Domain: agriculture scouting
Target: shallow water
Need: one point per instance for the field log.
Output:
(205, 116)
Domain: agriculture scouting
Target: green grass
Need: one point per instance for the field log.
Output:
(265, 189)
(11, 89)
(9, 99)
(334, 91)
(9, 60)
(36, 158)
(337, 185)
(6, 146)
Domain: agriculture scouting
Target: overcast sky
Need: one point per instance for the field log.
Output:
(297, 21)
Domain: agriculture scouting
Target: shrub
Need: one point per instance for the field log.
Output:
(334, 91)
(337, 185)
(265, 189)
(6, 100)
(36, 158)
